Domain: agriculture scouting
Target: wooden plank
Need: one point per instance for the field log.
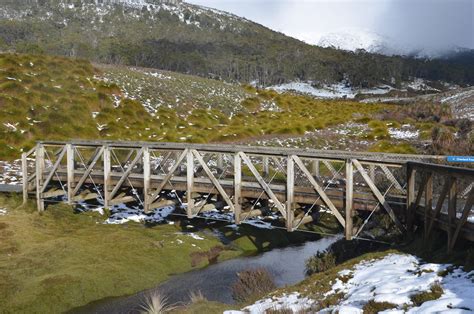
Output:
(107, 171)
(122, 200)
(39, 176)
(333, 171)
(213, 179)
(237, 188)
(320, 191)
(465, 215)
(70, 171)
(54, 193)
(389, 175)
(409, 211)
(290, 193)
(168, 176)
(53, 170)
(315, 168)
(190, 183)
(146, 179)
(263, 184)
(127, 173)
(378, 195)
(266, 168)
(349, 199)
(88, 171)
(24, 173)
(85, 197)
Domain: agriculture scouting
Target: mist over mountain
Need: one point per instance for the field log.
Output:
(178, 36)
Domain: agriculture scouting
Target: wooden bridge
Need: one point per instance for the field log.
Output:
(293, 184)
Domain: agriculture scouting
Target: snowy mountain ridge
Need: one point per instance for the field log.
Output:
(372, 42)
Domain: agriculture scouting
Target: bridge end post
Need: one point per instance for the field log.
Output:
(290, 193)
(107, 169)
(409, 212)
(70, 172)
(24, 172)
(349, 200)
(40, 165)
(146, 179)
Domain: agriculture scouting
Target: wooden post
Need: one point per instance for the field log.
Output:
(220, 161)
(70, 172)
(190, 183)
(409, 214)
(349, 199)
(146, 179)
(452, 198)
(315, 168)
(24, 172)
(372, 172)
(265, 166)
(428, 203)
(39, 176)
(237, 187)
(107, 170)
(290, 193)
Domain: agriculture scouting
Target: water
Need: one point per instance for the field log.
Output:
(287, 265)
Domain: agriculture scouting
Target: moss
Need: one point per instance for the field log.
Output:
(388, 147)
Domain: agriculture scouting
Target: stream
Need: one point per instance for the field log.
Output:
(287, 266)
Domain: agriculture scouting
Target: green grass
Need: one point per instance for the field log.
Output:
(59, 260)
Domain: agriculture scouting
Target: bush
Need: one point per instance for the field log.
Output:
(319, 263)
(436, 291)
(373, 307)
(252, 283)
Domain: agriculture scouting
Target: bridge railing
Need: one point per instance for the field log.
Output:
(291, 184)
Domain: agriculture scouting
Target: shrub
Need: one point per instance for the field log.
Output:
(435, 292)
(319, 263)
(252, 283)
(373, 307)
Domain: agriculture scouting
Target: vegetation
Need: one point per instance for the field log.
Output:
(156, 304)
(59, 260)
(189, 39)
(319, 263)
(373, 307)
(251, 284)
(436, 291)
(53, 98)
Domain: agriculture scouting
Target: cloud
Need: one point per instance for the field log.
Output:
(426, 23)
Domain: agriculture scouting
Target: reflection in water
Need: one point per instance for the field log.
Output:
(287, 265)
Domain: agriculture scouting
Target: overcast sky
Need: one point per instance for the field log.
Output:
(423, 23)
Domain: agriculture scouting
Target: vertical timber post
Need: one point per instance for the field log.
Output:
(349, 204)
(315, 168)
(290, 193)
(146, 179)
(372, 172)
(190, 183)
(70, 172)
(39, 176)
(107, 170)
(265, 166)
(409, 213)
(220, 161)
(452, 197)
(237, 187)
(428, 203)
(24, 172)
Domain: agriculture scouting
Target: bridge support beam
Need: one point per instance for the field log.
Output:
(237, 188)
(107, 169)
(190, 183)
(40, 165)
(146, 179)
(349, 201)
(290, 193)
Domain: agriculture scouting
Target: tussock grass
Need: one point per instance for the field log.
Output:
(156, 303)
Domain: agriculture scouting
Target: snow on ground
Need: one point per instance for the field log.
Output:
(405, 133)
(122, 214)
(396, 278)
(339, 90)
(3, 211)
(294, 302)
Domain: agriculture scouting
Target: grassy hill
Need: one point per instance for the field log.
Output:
(44, 97)
(197, 40)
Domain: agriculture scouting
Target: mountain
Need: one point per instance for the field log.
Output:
(186, 38)
(358, 39)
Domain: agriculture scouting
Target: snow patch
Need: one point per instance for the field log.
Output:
(3, 211)
(294, 302)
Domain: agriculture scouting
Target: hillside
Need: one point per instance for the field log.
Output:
(196, 40)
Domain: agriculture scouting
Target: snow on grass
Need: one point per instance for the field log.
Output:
(403, 134)
(396, 278)
(339, 90)
(3, 211)
(10, 172)
(192, 235)
(294, 302)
